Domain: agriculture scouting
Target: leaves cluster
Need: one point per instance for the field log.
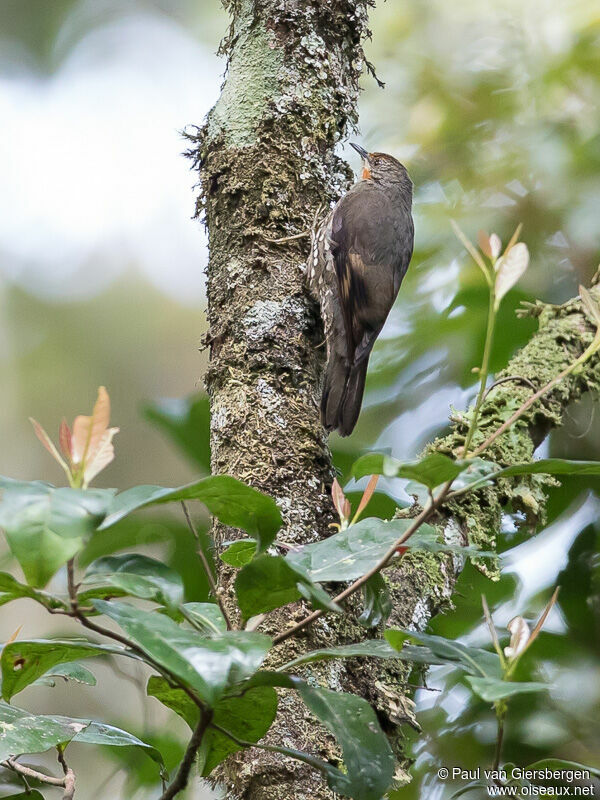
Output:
(205, 669)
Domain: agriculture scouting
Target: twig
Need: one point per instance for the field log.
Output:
(418, 521)
(180, 780)
(371, 71)
(69, 781)
(499, 740)
(313, 761)
(424, 688)
(493, 632)
(528, 403)
(117, 637)
(483, 372)
(516, 378)
(71, 588)
(69, 785)
(28, 772)
(211, 581)
(284, 239)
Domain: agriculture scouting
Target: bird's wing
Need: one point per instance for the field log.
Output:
(369, 251)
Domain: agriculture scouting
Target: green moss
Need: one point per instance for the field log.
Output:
(563, 334)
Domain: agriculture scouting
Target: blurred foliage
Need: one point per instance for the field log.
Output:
(186, 421)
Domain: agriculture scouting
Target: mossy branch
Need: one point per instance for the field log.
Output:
(565, 333)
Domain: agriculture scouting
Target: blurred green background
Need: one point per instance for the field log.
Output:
(493, 106)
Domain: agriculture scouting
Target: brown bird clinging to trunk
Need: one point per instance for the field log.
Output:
(359, 257)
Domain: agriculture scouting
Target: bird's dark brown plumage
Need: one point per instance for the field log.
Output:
(359, 258)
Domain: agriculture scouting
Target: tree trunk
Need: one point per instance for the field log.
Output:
(267, 166)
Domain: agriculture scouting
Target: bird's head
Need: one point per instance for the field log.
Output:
(382, 168)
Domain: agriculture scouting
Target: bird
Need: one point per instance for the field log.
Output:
(359, 257)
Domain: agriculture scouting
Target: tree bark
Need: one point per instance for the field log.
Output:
(267, 164)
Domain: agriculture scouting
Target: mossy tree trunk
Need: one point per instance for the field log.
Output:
(267, 164)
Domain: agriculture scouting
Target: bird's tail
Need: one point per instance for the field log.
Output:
(343, 393)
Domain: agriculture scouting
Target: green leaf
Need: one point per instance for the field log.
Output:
(349, 554)
(269, 582)
(552, 466)
(206, 616)
(108, 735)
(22, 732)
(239, 553)
(186, 420)
(231, 501)
(546, 466)
(174, 698)
(208, 666)
(11, 589)
(561, 764)
(376, 648)
(432, 470)
(24, 661)
(144, 529)
(264, 678)
(367, 754)
(45, 526)
(32, 795)
(416, 654)
(247, 717)
(377, 602)
(493, 689)
(70, 671)
(480, 472)
(475, 660)
(135, 575)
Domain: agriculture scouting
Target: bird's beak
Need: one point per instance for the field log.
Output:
(360, 150)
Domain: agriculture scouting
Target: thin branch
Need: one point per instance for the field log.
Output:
(211, 581)
(531, 400)
(71, 587)
(69, 782)
(493, 632)
(69, 785)
(61, 759)
(516, 378)
(484, 371)
(373, 74)
(383, 562)
(28, 772)
(285, 239)
(180, 780)
(117, 637)
(499, 740)
(312, 761)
